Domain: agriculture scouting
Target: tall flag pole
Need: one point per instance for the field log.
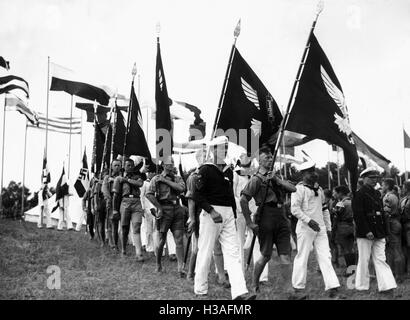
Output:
(24, 169)
(69, 141)
(133, 72)
(329, 174)
(48, 94)
(2, 154)
(114, 129)
(236, 34)
(298, 74)
(162, 102)
(406, 145)
(338, 166)
(94, 153)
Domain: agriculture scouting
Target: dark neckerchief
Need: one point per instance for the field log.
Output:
(312, 188)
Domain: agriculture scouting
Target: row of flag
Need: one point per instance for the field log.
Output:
(319, 112)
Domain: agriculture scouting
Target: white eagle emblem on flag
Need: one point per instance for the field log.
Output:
(256, 127)
(160, 79)
(337, 95)
(250, 93)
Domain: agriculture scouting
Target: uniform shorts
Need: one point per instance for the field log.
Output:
(100, 215)
(131, 211)
(395, 230)
(344, 236)
(274, 229)
(173, 218)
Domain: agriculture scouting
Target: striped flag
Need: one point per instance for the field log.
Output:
(59, 124)
(16, 104)
(9, 83)
(83, 180)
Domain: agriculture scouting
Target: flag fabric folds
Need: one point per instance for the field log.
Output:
(13, 84)
(58, 124)
(5, 64)
(83, 181)
(61, 189)
(80, 89)
(162, 102)
(406, 139)
(119, 137)
(248, 105)
(98, 148)
(136, 143)
(320, 111)
(64, 79)
(45, 173)
(16, 104)
(367, 152)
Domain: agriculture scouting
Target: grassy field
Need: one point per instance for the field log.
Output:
(91, 272)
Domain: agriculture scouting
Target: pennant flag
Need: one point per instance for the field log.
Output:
(16, 104)
(64, 79)
(320, 111)
(58, 124)
(136, 144)
(162, 102)
(61, 189)
(406, 139)
(13, 84)
(368, 153)
(83, 181)
(45, 173)
(5, 64)
(248, 105)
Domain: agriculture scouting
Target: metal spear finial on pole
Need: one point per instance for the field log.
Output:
(134, 71)
(320, 6)
(158, 29)
(237, 30)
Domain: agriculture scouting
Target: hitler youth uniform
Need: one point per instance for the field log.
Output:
(111, 221)
(405, 219)
(394, 253)
(100, 210)
(87, 204)
(274, 227)
(343, 228)
(368, 216)
(127, 202)
(169, 199)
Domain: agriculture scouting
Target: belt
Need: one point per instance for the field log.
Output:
(169, 202)
(273, 204)
(130, 196)
(373, 214)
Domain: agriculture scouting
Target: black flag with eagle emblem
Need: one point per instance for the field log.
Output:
(162, 102)
(320, 110)
(248, 105)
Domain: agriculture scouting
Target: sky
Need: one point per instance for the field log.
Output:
(366, 41)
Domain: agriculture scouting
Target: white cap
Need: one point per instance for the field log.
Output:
(369, 171)
(306, 165)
